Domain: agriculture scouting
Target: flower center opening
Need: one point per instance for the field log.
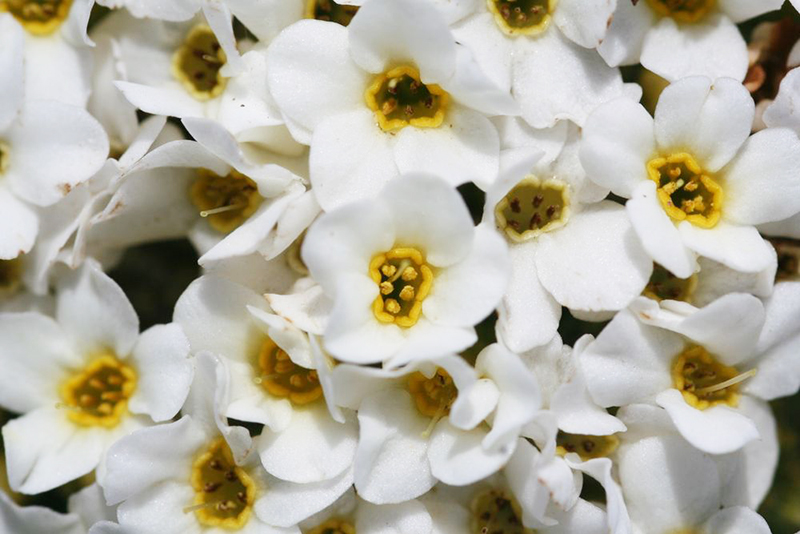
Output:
(283, 378)
(587, 447)
(685, 191)
(664, 285)
(788, 259)
(705, 382)
(333, 526)
(522, 17)
(224, 492)
(197, 63)
(330, 11)
(435, 395)
(682, 10)
(226, 201)
(39, 17)
(404, 280)
(98, 395)
(533, 207)
(10, 276)
(496, 512)
(400, 99)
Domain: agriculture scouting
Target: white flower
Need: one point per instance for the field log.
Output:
(408, 273)
(546, 57)
(699, 364)
(46, 148)
(696, 179)
(670, 486)
(425, 422)
(568, 246)
(683, 38)
(390, 93)
(83, 380)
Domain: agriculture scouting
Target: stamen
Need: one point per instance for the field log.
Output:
(532, 207)
(728, 383)
(400, 303)
(400, 99)
(222, 209)
(283, 378)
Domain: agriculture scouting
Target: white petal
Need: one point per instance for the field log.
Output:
(761, 183)
(522, 474)
(713, 47)
(410, 516)
(457, 457)
(312, 448)
(618, 139)
(578, 414)
(492, 51)
(160, 509)
(181, 153)
(595, 262)
(90, 504)
(171, 100)
(657, 233)
(715, 280)
(391, 464)
(716, 430)
(625, 37)
(629, 361)
(36, 519)
(737, 520)
(11, 63)
(465, 148)
(351, 159)
(783, 111)
(600, 470)
(584, 22)
(308, 310)
(161, 356)
(427, 340)
(311, 75)
(383, 34)
(738, 247)
(709, 119)
(471, 87)
(474, 405)
(54, 147)
(18, 226)
(94, 310)
(57, 70)
(741, 10)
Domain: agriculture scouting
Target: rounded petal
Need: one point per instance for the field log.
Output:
(171, 100)
(762, 184)
(595, 262)
(492, 51)
(584, 22)
(625, 36)
(55, 69)
(12, 41)
(716, 430)
(709, 119)
(465, 148)
(741, 10)
(54, 147)
(36, 519)
(457, 457)
(739, 247)
(783, 112)
(410, 516)
(383, 34)
(160, 510)
(618, 140)
(737, 520)
(713, 48)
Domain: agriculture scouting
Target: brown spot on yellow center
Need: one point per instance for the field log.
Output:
(98, 395)
(686, 193)
(281, 377)
(585, 446)
(224, 492)
(522, 17)
(197, 63)
(333, 526)
(433, 396)
(399, 99)
(532, 207)
(330, 11)
(39, 17)
(682, 10)
(704, 381)
(227, 201)
(404, 280)
(664, 285)
(496, 512)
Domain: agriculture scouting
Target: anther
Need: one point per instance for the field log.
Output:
(386, 288)
(407, 293)
(391, 306)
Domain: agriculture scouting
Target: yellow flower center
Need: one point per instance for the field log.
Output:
(496, 512)
(197, 63)
(400, 99)
(664, 285)
(522, 17)
(39, 17)
(705, 382)
(333, 526)
(227, 201)
(281, 377)
(404, 280)
(685, 191)
(10, 276)
(788, 259)
(330, 11)
(433, 396)
(682, 10)
(533, 207)
(98, 395)
(224, 492)
(587, 447)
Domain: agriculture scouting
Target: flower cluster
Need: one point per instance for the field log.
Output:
(395, 205)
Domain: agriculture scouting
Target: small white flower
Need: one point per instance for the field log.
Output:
(83, 380)
(697, 181)
(683, 38)
(408, 273)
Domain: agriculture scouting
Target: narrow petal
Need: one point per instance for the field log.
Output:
(18, 226)
(171, 100)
